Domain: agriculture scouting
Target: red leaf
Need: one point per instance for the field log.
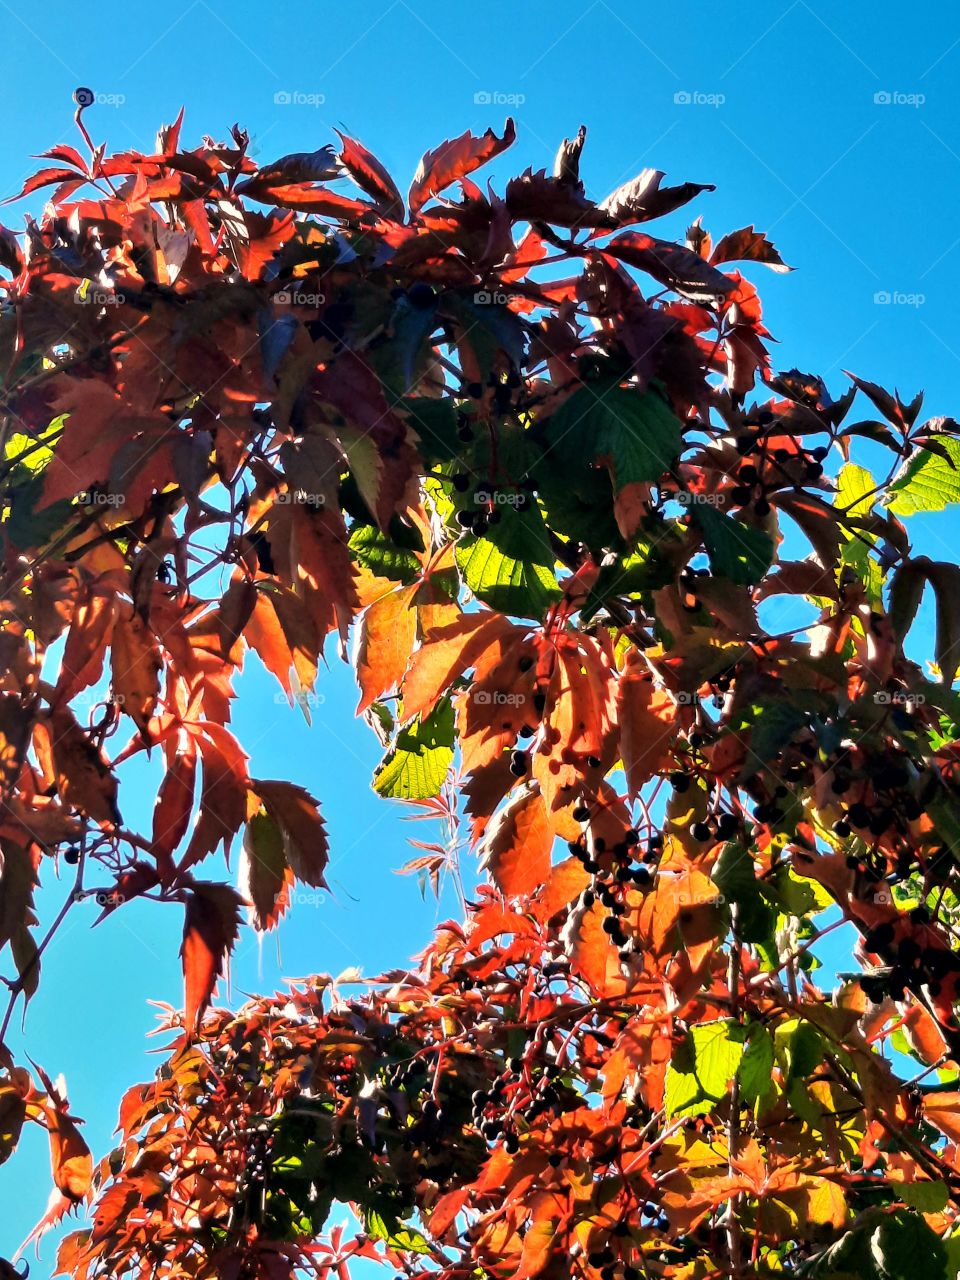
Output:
(171, 813)
(454, 159)
(370, 175)
(211, 926)
(672, 265)
(748, 245)
(42, 178)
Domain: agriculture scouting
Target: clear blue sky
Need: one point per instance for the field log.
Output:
(830, 127)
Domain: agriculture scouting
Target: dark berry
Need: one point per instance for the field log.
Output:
(519, 764)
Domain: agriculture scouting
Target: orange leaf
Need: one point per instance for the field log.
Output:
(647, 719)
(135, 666)
(516, 847)
(171, 813)
(446, 654)
(210, 928)
(223, 793)
(384, 642)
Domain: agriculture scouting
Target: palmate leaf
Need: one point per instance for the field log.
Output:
(417, 765)
(699, 1075)
(930, 481)
(636, 431)
(511, 568)
(737, 551)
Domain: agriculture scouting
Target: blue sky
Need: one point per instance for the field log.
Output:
(829, 127)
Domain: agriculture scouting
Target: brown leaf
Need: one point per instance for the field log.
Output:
(265, 877)
(747, 245)
(643, 198)
(84, 778)
(135, 666)
(672, 265)
(305, 837)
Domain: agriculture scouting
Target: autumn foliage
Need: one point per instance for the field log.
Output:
(533, 462)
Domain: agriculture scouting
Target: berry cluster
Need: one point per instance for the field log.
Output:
(614, 873)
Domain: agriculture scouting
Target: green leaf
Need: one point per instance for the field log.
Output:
(925, 1197)
(379, 552)
(417, 765)
(435, 422)
(511, 568)
(853, 485)
(636, 430)
(904, 1246)
(395, 1233)
(737, 551)
(756, 1066)
(702, 1068)
(734, 876)
(928, 482)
